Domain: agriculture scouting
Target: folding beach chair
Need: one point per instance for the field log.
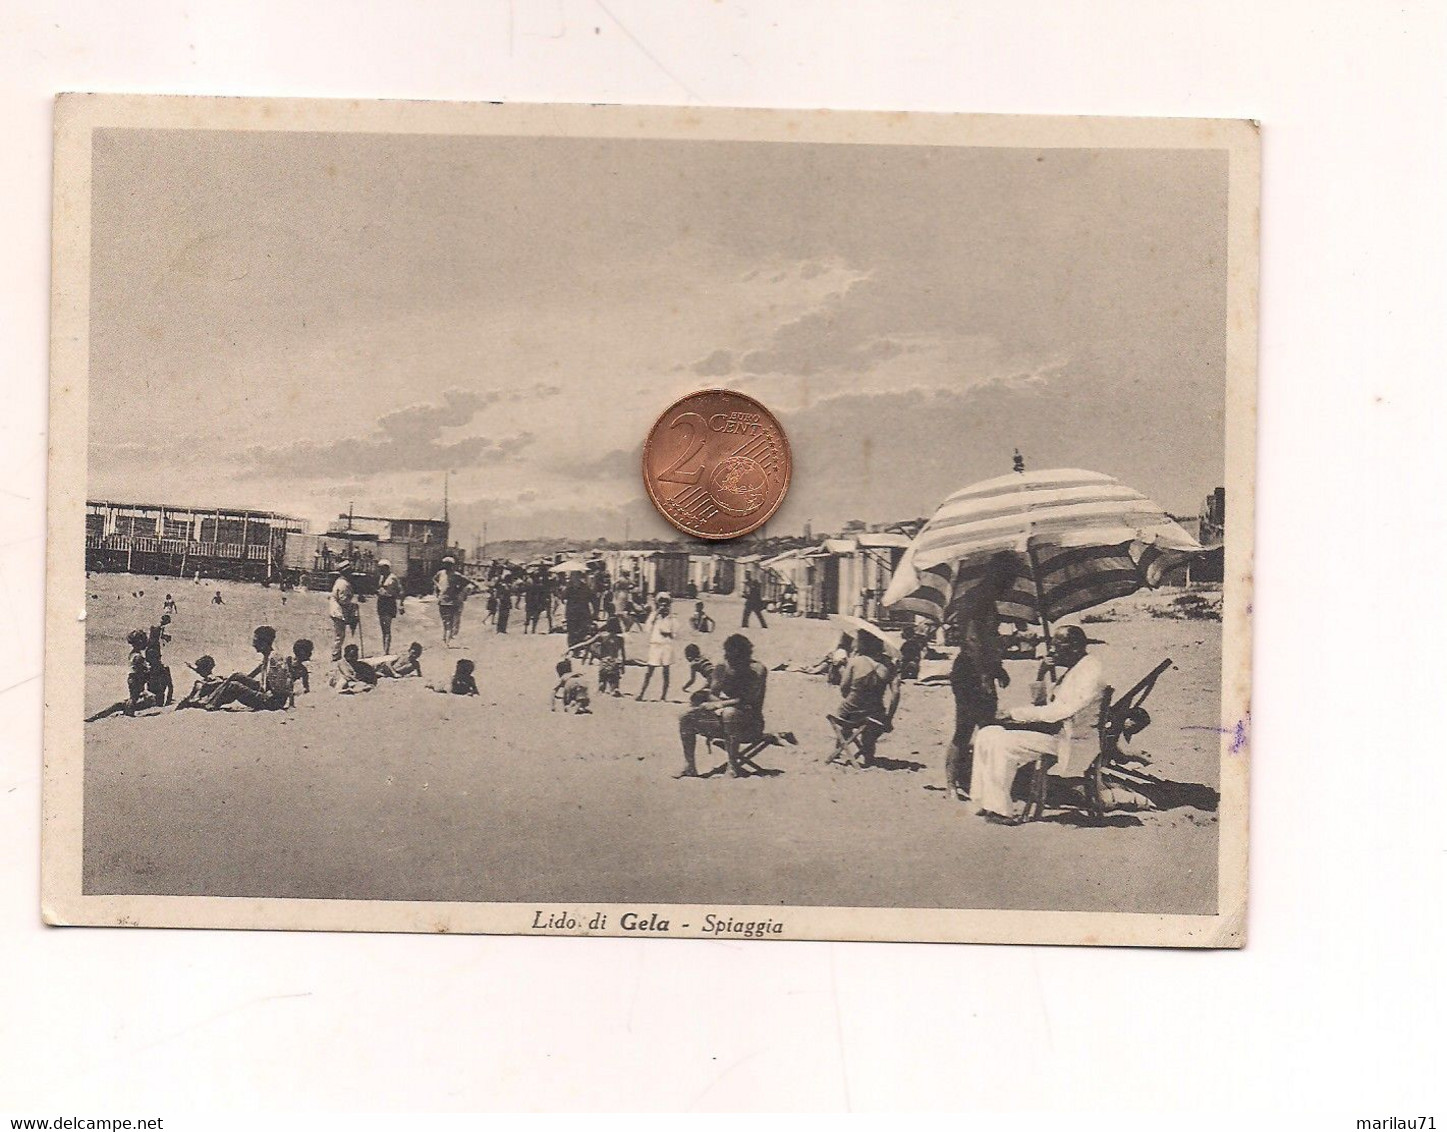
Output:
(748, 751)
(1118, 719)
(849, 738)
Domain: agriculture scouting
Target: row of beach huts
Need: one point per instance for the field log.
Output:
(844, 574)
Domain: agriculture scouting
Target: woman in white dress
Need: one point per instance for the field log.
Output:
(662, 628)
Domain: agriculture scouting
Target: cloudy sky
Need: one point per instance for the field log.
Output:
(302, 321)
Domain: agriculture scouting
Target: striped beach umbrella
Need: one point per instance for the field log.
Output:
(1064, 539)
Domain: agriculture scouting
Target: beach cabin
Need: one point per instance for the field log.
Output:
(723, 575)
(782, 570)
(629, 563)
(700, 572)
(876, 556)
(670, 571)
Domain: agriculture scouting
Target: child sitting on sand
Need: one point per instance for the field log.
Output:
(570, 690)
(463, 683)
(301, 653)
(397, 668)
(352, 674)
(700, 621)
(206, 683)
(138, 695)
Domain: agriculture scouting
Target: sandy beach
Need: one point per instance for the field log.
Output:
(404, 794)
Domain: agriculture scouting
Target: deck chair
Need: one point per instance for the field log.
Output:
(749, 751)
(849, 737)
(1118, 719)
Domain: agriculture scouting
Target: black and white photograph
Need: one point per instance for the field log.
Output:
(368, 611)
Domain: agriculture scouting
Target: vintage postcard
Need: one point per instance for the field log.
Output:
(367, 610)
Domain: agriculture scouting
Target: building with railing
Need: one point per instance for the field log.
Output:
(413, 547)
(212, 542)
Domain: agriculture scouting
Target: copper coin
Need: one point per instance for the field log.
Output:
(716, 464)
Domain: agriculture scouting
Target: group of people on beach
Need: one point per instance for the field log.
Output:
(725, 698)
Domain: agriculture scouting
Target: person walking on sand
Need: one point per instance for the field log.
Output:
(343, 609)
(503, 592)
(662, 628)
(391, 601)
(753, 603)
(535, 599)
(451, 590)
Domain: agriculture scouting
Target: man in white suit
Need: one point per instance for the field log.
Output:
(1063, 727)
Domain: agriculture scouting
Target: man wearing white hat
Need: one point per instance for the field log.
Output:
(1061, 730)
(390, 601)
(342, 605)
(451, 589)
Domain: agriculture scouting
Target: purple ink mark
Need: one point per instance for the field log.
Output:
(1237, 733)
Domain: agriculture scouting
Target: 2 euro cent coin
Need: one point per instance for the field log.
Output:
(716, 464)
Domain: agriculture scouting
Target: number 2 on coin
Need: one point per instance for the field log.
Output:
(674, 473)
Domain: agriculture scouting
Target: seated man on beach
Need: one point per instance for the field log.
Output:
(267, 687)
(205, 684)
(399, 668)
(734, 710)
(138, 695)
(1061, 730)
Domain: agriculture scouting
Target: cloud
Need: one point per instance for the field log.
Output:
(406, 440)
(717, 364)
(616, 464)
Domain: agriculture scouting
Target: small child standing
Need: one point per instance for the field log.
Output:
(158, 676)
